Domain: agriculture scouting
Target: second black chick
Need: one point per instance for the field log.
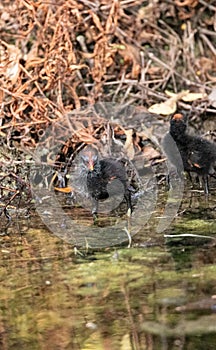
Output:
(102, 172)
(193, 153)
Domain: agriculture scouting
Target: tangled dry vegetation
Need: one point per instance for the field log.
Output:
(58, 57)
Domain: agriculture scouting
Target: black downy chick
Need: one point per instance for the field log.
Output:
(196, 154)
(101, 172)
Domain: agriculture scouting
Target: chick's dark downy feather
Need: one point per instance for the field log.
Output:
(100, 174)
(189, 153)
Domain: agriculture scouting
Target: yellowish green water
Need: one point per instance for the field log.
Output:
(158, 294)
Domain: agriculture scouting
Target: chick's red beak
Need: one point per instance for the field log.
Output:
(91, 165)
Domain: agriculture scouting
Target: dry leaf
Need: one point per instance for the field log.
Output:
(193, 96)
(9, 61)
(129, 147)
(173, 94)
(150, 153)
(164, 108)
(189, 96)
(169, 106)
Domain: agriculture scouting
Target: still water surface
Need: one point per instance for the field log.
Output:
(158, 294)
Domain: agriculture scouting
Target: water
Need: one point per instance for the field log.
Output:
(158, 294)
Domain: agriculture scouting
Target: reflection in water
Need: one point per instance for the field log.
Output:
(160, 297)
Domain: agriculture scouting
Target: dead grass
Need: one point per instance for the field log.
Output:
(56, 57)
